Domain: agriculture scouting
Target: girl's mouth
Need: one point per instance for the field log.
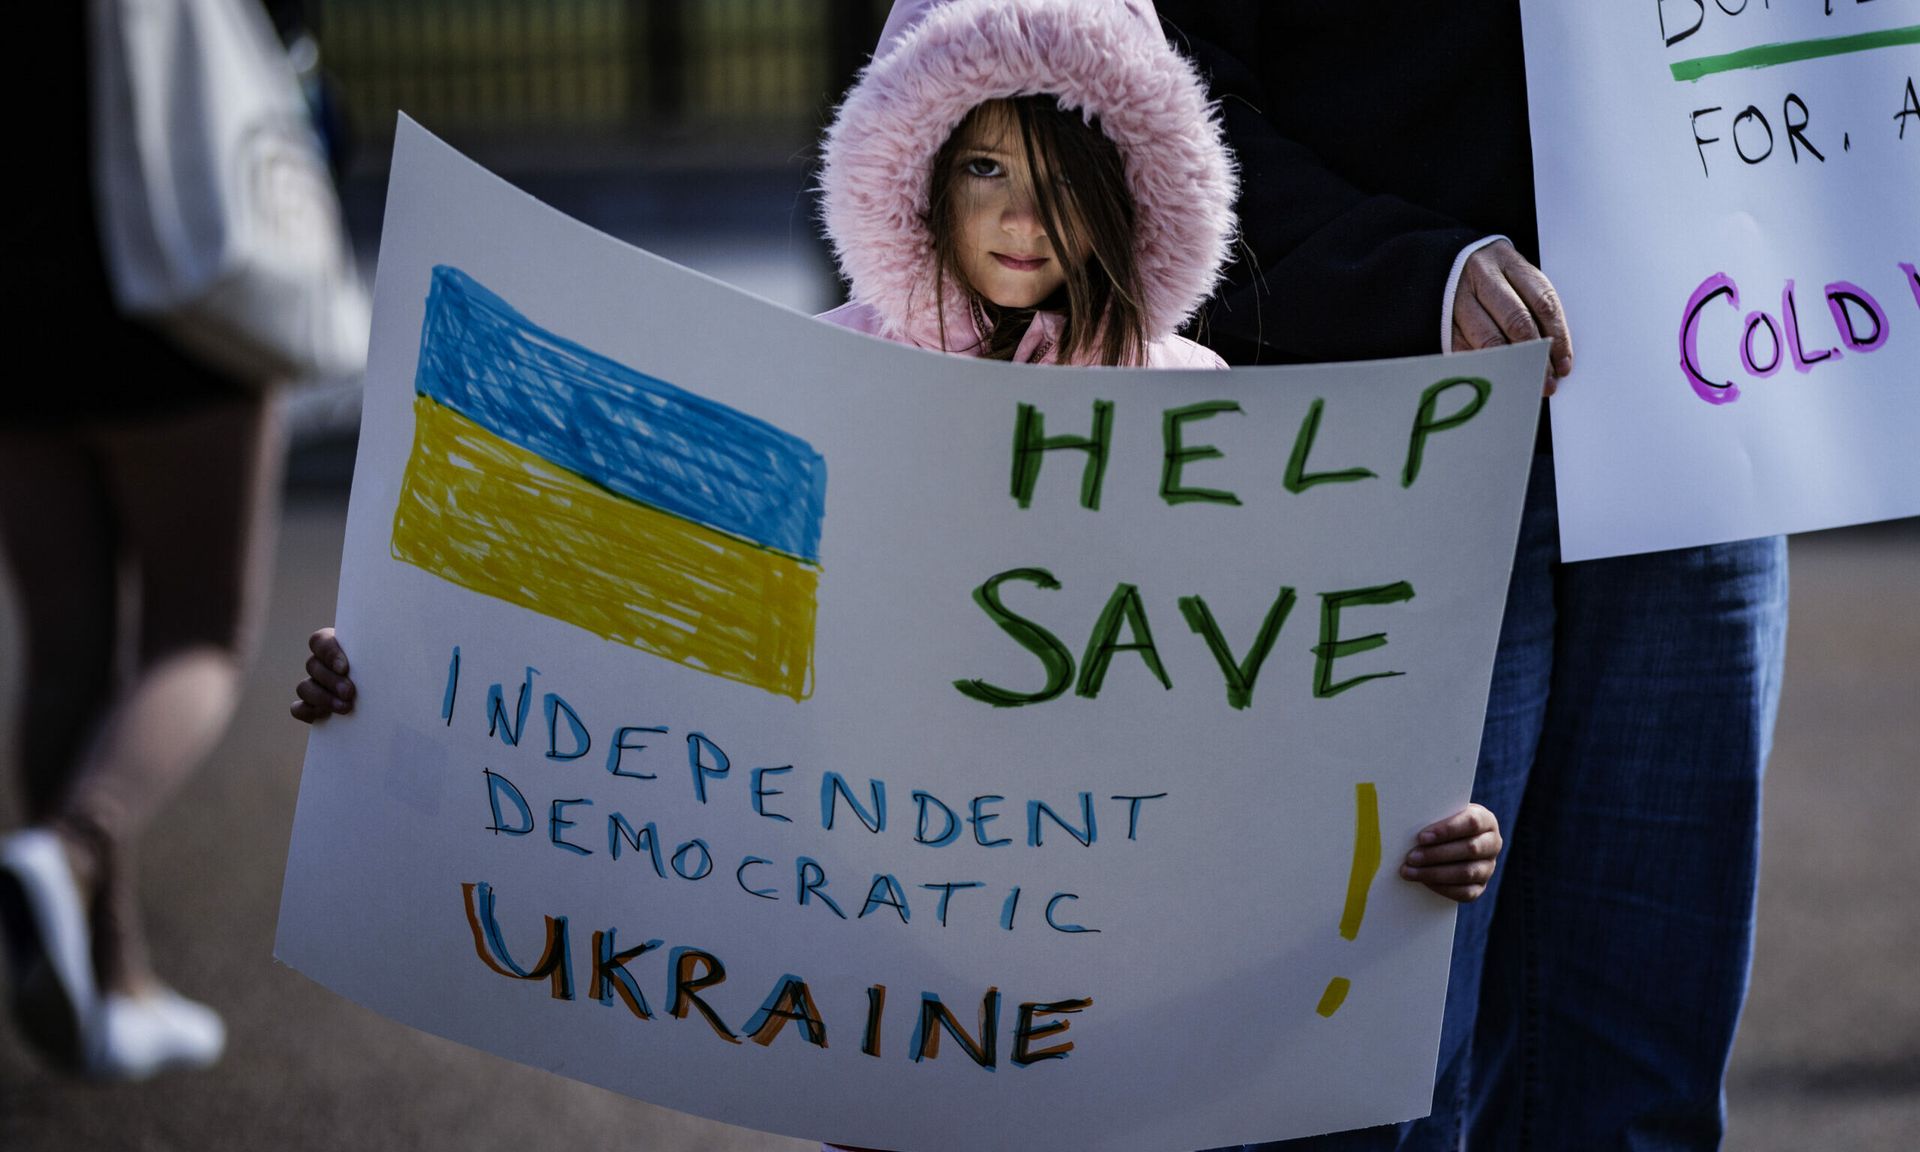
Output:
(1018, 265)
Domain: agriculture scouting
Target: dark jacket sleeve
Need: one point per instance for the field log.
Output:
(1327, 270)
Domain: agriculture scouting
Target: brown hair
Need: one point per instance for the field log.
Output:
(1081, 197)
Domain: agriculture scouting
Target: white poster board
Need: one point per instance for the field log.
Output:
(1149, 912)
(1730, 208)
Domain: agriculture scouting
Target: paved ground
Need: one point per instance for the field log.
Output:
(1829, 1058)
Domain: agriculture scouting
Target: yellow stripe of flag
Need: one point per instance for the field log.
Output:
(499, 520)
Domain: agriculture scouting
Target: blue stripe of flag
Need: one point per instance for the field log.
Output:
(624, 430)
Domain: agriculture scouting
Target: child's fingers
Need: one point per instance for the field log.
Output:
(320, 701)
(1449, 875)
(1455, 857)
(1469, 821)
(1484, 846)
(326, 691)
(314, 703)
(326, 648)
(321, 674)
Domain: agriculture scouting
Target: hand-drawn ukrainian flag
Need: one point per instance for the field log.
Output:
(549, 476)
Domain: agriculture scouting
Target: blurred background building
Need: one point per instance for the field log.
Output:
(728, 81)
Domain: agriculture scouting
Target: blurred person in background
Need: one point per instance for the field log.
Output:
(137, 512)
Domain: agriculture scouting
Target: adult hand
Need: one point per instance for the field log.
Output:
(326, 691)
(1502, 299)
(1455, 857)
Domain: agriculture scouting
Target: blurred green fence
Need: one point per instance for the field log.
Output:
(659, 70)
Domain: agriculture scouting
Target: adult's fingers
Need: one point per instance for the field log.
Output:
(1504, 299)
(1543, 306)
(1492, 287)
(1474, 327)
(1474, 324)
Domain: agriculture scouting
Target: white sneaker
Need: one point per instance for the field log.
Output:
(49, 950)
(138, 1037)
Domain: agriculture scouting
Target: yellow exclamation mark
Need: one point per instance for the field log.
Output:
(1366, 862)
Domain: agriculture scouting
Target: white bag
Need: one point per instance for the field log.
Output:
(218, 218)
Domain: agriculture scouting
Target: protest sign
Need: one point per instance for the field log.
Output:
(844, 740)
(1727, 200)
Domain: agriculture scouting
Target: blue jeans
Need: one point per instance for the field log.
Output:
(1596, 985)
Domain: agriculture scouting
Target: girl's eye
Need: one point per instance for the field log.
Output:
(984, 167)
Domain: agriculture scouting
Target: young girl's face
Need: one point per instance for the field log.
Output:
(999, 240)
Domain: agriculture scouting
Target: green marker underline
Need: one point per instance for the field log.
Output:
(1767, 55)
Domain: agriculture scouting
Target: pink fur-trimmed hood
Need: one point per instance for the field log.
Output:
(1105, 58)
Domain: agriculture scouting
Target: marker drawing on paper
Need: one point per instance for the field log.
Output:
(554, 478)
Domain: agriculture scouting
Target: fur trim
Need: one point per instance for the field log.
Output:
(1104, 58)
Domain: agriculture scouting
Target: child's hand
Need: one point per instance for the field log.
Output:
(1455, 856)
(326, 690)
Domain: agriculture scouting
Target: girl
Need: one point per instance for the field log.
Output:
(1041, 181)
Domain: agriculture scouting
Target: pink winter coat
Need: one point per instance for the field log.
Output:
(935, 62)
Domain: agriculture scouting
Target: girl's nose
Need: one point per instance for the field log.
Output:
(1020, 217)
